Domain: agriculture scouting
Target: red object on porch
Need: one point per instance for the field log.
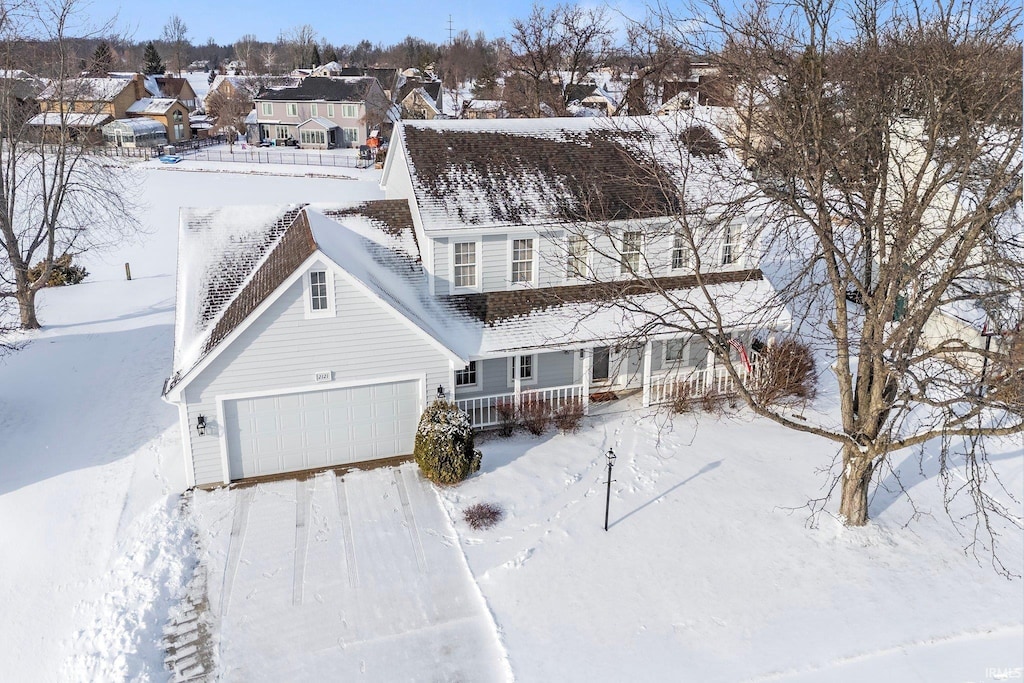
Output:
(738, 345)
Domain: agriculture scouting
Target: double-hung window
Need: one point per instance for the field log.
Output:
(464, 260)
(631, 242)
(680, 252)
(576, 266)
(467, 376)
(267, 108)
(730, 244)
(318, 291)
(313, 110)
(330, 111)
(350, 135)
(675, 350)
(522, 261)
(292, 109)
(524, 370)
(349, 111)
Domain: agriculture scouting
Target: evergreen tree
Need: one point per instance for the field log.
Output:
(316, 56)
(212, 76)
(151, 62)
(102, 59)
(332, 56)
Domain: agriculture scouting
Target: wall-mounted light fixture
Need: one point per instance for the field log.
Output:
(201, 425)
(440, 392)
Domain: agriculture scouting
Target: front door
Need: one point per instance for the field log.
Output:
(601, 364)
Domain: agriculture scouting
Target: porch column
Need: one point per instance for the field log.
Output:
(588, 360)
(647, 373)
(451, 380)
(709, 371)
(517, 381)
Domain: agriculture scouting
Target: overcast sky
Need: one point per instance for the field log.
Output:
(338, 21)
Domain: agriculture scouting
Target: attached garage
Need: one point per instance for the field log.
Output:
(302, 430)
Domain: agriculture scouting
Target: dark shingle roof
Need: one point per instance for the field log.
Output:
(329, 89)
(432, 88)
(494, 307)
(390, 215)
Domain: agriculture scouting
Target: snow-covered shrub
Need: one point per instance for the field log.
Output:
(444, 444)
(483, 515)
(62, 273)
(713, 402)
(568, 416)
(535, 414)
(506, 411)
(786, 369)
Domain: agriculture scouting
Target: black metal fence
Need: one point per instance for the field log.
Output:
(257, 155)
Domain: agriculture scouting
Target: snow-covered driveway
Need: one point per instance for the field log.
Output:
(337, 577)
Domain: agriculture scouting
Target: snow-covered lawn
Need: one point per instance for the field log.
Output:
(336, 578)
(709, 571)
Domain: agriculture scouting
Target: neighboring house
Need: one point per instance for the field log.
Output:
(84, 105)
(589, 99)
(484, 109)
(174, 88)
(309, 336)
(20, 97)
(322, 112)
(420, 100)
(169, 112)
(250, 86)
(390, 79)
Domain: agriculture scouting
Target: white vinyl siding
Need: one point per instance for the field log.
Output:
(494, 266)
(282, 349)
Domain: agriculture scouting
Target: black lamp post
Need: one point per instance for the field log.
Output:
(610, 457)
(201, 425)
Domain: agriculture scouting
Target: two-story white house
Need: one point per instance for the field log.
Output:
(322, 113)
(511, 260)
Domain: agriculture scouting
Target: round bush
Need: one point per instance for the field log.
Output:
(444, 444)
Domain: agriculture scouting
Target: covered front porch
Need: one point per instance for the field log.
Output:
(662, 370)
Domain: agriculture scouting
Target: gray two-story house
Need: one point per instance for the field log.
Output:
(322, 113)
(511, 261)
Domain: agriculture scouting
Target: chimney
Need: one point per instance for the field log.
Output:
(139, 81)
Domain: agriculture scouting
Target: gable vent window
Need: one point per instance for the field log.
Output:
(318, 290)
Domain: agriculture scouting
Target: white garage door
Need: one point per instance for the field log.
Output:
(290, 432)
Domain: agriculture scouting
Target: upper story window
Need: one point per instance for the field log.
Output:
(177, 116)
(267, 108)
(522, 261)
(330, 111)
(292, 109)
(349, 111)
(576, 267)
(467, 376)
(313, 110)
(680, 252)
(465, 262)
(318, 290)
(730, 244)
(631, 242)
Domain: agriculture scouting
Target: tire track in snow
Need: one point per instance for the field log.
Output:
(348, 538)
(302, 502)
(238, 525)
(410, 520)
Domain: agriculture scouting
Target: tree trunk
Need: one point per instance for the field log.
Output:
(857, 469)
(27, 308)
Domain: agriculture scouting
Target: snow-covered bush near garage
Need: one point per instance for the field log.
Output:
(444, 444)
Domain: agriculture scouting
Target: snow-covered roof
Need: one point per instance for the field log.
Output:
(139, 126)
(529, 172)
(152, 105)
(230, 259)
(85, 89)
(326, 124)
(74, 119)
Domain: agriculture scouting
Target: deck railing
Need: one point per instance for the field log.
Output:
(485, 411)
(694, 383)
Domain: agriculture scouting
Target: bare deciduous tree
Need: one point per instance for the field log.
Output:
(884, 182)
(175, 34)
(228, 107)
(299, 41)
(55, 197)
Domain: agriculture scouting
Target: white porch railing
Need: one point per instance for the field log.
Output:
(484, 411)
(694, 383)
